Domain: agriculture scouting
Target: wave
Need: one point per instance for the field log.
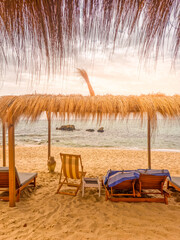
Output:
(117, 135)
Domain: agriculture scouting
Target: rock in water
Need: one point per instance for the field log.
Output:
(100, 129)
(90, 130)
(66, 128)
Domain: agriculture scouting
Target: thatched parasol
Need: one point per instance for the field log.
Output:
(47, 32)
(30, 107)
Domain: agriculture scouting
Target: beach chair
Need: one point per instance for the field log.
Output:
(120, 185)
(174, 182)
(22, 181)
(152, 182)
(71, 170)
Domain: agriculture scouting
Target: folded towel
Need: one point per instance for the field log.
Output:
(113, 178)
(155, 172)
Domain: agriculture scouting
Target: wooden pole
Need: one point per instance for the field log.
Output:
(149, 142)
(49, 134)
(12, 190)
(4, 143)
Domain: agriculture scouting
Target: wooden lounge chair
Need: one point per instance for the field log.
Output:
(151, 184)
(22, 181)
(148, 182)
(71, 169)
(123, 191)
(174, 182)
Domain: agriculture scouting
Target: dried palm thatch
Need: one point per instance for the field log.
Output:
(84, 75)
(47, 32)
(32, 106)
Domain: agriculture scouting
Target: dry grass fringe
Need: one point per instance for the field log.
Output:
(47, 32)
(84, 75)
(30, 107)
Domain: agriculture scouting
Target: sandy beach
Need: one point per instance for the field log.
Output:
(42, 214)
(98, 79)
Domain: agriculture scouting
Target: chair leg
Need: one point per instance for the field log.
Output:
(65, 181)
(60, 185)
(83, 189)
(18, 195)
(35, 182)
(166, 200)
(99, 189)
(74, 193)
(77, 189)
(107, 195)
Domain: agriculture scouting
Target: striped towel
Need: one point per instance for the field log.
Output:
(113, 178)
(155, 172)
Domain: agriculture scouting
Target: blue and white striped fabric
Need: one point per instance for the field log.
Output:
(115, 177)
(155, 172)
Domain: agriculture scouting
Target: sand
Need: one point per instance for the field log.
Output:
(42, 214)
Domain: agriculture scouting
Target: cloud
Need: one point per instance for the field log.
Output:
(120, 73)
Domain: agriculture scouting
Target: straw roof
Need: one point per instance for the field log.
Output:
(32, 106)
(54, 29)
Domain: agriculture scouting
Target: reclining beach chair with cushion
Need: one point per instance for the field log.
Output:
(72, 169)
(174, 182)
(22, 181)
(152, 182)
(120, 185)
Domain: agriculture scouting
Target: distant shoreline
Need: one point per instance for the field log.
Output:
(132, 136)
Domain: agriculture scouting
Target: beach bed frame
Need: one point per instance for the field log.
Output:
(174, 182)
(151, 184)
(139, 187)
(22, 181)
(71, 168)
(128, 185)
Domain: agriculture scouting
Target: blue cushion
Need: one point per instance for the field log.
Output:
(115, 177)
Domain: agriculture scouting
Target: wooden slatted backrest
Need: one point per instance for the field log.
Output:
(70, 165)
(151, 181)
(126, 185)
(4, 178)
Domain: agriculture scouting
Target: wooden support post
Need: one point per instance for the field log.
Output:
(149, 142)
(12, 189)
(4, 143)
(49, 134)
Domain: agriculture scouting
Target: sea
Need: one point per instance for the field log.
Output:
(119, 134)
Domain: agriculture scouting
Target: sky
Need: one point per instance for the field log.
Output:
(119, 74)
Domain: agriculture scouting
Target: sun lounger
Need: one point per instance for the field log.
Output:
(174, 182)
(120, 185)
(152, 182)
(22, 181)
(140, 183)
(72, 169)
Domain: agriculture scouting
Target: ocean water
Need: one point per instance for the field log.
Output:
(117, 134)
